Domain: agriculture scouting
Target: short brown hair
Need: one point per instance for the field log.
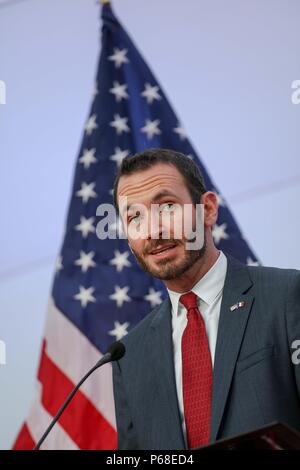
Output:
(146, 159)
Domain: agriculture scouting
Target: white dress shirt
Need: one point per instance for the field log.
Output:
(209, 290)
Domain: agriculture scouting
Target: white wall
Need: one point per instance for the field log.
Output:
(227, 68)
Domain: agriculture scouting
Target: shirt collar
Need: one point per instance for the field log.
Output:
(208, 287)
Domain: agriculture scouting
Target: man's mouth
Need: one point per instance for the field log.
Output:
(163, 250)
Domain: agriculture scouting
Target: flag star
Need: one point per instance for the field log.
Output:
(88, 157)
(119, 155)
(95, 91)
(190, 156)
(154, 297)
(120, 330)
(251, 262)
(85, 295)
(151, 128)
(85, 226)
(119, 91)
(120, 295)
(58, 265)
(220, 199)
(120, 124)
(120, 260)
(86, 191)
(86, 261)
(91, 124)
(151, 93)
(180, 131)
(119, 57)
(219, 232)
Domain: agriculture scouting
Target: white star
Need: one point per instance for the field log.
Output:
(119, 155)
(120, 330)
(151, 93)
(190, 156)
(120, 260)
(119, 57)
(91, 124)
(119, 91)
(120, 124)
(180, 131)
(88, 157)
(58, 265)
(251, 262)
(85, 226)
(120, 295)
(86, 261)
(85, 295)
(151, 128)
(219, 232)
(220, 199)
(86, 191)
(95, 91)
(153, 297)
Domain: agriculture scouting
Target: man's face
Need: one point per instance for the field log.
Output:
(161, 186)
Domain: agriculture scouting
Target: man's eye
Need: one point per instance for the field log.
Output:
(135, 219)
(166, 207)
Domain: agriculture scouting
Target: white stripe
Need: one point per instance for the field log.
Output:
(74, 354)
(38, 421)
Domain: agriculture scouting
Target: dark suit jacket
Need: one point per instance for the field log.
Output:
(254, 380)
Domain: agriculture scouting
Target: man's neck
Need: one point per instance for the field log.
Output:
(187, 281)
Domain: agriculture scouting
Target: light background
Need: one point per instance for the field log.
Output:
(227, 68)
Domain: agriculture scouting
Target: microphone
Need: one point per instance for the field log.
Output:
(115, 352)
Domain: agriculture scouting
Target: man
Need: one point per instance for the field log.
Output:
(215, 359)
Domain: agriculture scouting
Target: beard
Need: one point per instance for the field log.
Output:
(168, 269)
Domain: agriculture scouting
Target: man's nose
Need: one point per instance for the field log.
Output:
(155, 233)
(155, 227)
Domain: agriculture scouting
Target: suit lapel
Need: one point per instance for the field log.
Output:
(231, 329)
(165, 373)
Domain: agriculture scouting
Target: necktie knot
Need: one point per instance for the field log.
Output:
(189, 300)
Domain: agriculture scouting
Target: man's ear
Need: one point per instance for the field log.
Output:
(210, 201)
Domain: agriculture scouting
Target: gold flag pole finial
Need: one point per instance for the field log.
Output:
(103, 2)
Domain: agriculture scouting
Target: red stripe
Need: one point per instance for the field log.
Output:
(24, 440)
(81, 420)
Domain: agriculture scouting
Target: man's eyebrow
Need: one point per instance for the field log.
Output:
(157, 197)
(164, 193)
(129, 206)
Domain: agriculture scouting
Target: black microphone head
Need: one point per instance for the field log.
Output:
(117, 350)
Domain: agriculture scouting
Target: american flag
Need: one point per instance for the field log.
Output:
(99, 292)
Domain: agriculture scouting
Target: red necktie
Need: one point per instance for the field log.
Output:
(196, 375)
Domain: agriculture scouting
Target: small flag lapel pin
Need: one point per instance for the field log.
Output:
(237, 305)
